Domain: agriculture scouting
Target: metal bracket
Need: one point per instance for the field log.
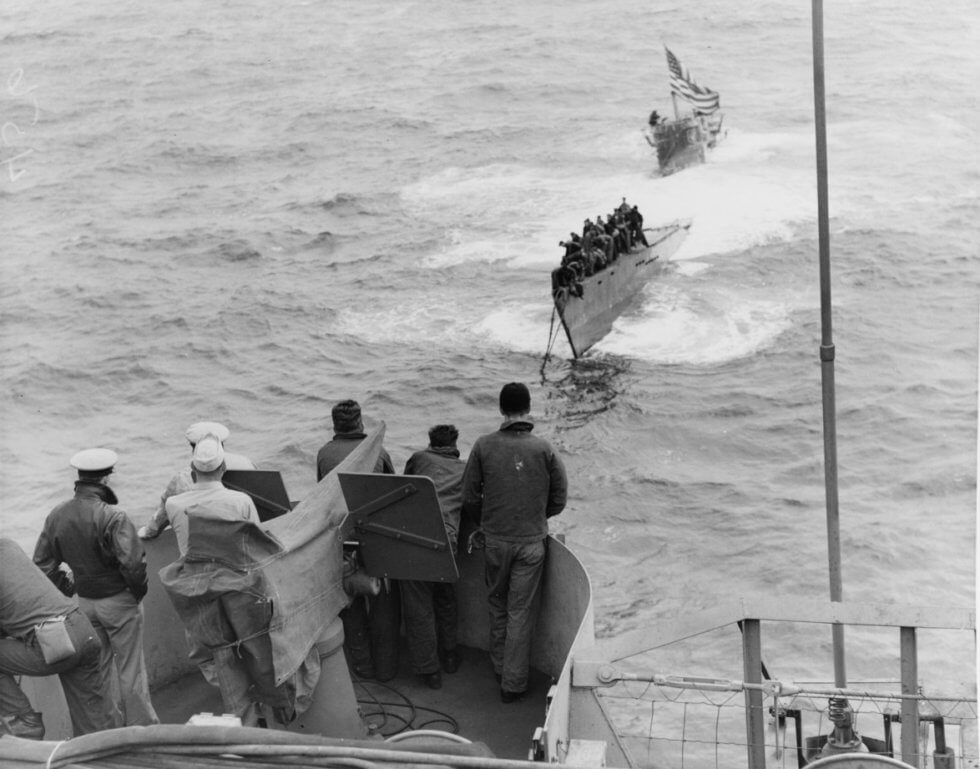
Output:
(397, 522)
(361, 524)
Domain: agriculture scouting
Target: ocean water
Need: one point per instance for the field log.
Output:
(245, 212)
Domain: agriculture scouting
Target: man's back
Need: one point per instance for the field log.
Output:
(335, 451)
(27, 597)
(445, 468)
(514, 482)
(208, 499)
(97, 541)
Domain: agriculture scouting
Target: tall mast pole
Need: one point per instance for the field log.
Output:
(827, 346)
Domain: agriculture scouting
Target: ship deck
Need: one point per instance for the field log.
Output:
(468, 704)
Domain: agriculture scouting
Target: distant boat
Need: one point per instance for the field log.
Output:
(588, 307)
(685, 140)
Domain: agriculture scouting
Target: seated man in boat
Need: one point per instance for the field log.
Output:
(573, 247)
(605, 241)
(568, 276)
(654, 120)
(588, 235)
(587, 256)
(623, 230)
(617, 235)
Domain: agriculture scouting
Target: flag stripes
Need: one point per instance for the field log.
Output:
(704, 100)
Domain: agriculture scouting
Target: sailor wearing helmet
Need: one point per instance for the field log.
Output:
(98, 542)
(183, 480)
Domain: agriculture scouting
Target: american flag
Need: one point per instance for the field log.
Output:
(705, 100)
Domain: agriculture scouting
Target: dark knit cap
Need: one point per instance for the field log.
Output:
(515, 398)
(441, 436)
(346, 416)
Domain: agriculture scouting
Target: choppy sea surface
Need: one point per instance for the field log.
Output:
(245, 212)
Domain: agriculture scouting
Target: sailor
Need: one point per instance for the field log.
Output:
(372, 622)
(98, 543)
(654, 118)
(616, 226)
(430, 607)
(208, 497)
(588, 234)
(513, 483)
(572, 246)
(605, 241)
(635, 219)
(184, 479)
(615, 235)
(67, 646)
(215, 587)
(348, 429)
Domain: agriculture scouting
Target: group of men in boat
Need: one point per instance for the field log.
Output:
(74, 609)
(599, 245)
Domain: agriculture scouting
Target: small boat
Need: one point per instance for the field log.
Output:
(589, 306)
(685, 140)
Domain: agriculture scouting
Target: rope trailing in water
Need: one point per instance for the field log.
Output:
(552, 338)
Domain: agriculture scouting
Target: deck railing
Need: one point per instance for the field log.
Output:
(747, 718)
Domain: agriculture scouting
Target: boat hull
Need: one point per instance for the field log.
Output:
(608, 293)
(683, 143)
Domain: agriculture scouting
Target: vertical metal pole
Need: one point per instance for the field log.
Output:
(755, 722)
(827, 345)
(910, 707)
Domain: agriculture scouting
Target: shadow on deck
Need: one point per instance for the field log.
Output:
(468, 704)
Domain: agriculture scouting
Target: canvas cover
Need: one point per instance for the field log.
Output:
(290, 567)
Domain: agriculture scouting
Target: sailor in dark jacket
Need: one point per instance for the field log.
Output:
(348, 429)
(635, 219)
(430, 607)
(513, 483)
(27, 600)
(371, 623)
(98, 542)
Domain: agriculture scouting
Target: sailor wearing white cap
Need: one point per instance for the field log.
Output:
(184, 479)
(94, 463)
(208, 497)
(198, 430)
(98, 542)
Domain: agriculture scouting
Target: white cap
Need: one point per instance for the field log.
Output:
(198, 430)
(95, 461)
(208, 454)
